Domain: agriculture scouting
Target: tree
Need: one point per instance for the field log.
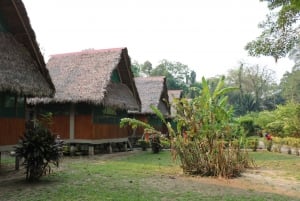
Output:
(193, 77)
(256, 84)
(136, 69)
(290, 86)
(177, 74)
(280, 30)
(147, 68)
(295, 56)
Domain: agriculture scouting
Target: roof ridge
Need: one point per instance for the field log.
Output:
(89, 51)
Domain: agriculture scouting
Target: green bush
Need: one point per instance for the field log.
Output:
(155, 143)
(39, 148)
(252, 143)
(143, 144)
(248, 126)
(165, 143)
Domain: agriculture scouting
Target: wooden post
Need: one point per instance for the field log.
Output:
(17, 163)
(72, 150)
(91, 150)
(72, 121)
(125, 147)
(110, 150)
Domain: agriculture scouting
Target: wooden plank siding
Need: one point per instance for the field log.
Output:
(140, 131)
(86, 129)
(109, 131)
(10, 130)
(61, 126)
(83, 127)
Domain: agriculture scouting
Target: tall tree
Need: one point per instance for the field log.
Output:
(290, 86)
(280, 31)
(147, 68)
(135, 68)
(295, 56)
(177, 74)
(256, 84)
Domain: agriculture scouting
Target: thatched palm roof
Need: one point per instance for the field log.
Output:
(172, 95)
(153, 91)
(86, 77)
(22, 66)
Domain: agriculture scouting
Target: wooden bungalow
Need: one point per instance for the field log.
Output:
(95, 89)
(22, 71)
(152, 91)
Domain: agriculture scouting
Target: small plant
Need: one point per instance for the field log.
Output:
(269, 144)
(143, 144)
(155, 143)
(39, 148)
(165, 143)
(253, 144)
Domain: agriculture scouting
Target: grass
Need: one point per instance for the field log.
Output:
(286, 165)
(140, 177)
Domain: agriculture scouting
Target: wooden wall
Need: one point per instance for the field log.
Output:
(10, 130)
(86, 129)
(109, 131)
(140, 131)
(83, 127)
(61, 126)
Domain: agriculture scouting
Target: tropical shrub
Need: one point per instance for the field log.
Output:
(248, 125)
(143, 144)
(203, 138)
(155, 143)
(205, 146)
(154, 135)
(39, 148)
(252, 143)
(165, 143)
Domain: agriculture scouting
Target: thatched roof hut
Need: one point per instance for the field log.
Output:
(174, 94)
(86, 77)
(22, 69)
(153, 91)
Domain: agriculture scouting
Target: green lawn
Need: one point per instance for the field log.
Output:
(141, 177)
(287, 165)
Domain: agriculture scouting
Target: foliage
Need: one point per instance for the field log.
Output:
(177, 74)
(143, 144)
(252, 143)
(146, 68)
(165, 143)
(155, 143)
(134, 123)
(202, 127)
(136, 69)
(283, 121)
(39, 148)
(257, 89)
(248, 126)
(206, 123)
(287, 121)
(154, 134)
(290, 86)
(280, 30)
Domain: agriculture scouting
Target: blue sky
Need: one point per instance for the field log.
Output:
(208, 36)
